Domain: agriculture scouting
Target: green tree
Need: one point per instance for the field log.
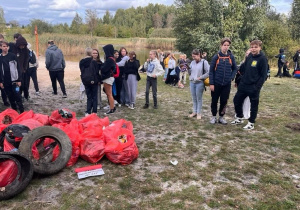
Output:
(107, 18)
(91, 19)
(42, 26)
(201, 24)
(76, 24)
(2, 20)
(295, 19)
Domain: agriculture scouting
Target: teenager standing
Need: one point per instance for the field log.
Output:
(254, 71)
(154, 69)
(222, 71)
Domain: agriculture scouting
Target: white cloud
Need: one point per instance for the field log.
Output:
(34, 1)
(34, 6)
(64, 5)
(68, 14)
(282, 6)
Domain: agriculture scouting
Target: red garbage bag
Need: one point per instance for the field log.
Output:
(116, 126)
(2, 127)
(120, 147)
(8, 116)
(24, 116)
(8, 172)
(30, 123)
(42, 118)
(61, 116)
(92, 145)
(73, 130)
(93, 119)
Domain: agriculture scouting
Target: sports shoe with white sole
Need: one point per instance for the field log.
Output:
(222, 120)
(249, 126)
(213, 120)
(237, 121)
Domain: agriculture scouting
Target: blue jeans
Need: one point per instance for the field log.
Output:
(92, 95)
(166, 73)
(197, 92)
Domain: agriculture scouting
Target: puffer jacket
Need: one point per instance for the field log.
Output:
(223, 72)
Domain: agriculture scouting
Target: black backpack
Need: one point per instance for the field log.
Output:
(88, 76)
(32, 57)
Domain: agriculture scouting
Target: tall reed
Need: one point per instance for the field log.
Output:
(70, 44)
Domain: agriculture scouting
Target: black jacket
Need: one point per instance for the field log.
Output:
(109, 64)
(131, 67)
(254, 71)
(22, 54)
(223, 72)
(85, 64)
(8, 75)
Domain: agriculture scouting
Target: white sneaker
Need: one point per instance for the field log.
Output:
(213, 120)
(249, 126)
(86, 114)
(37, 93)
(131, 106)
(237, 121)
(98, 107)
(127, 105)
(115, 102)
(222, 120)
(106, 107)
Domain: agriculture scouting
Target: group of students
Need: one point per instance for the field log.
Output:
(18, 64)
(118, 74)
(252, 73)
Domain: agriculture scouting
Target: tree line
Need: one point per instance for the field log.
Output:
(194, 24)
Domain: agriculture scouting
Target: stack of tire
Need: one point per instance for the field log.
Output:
(16, 168)
(297, 73)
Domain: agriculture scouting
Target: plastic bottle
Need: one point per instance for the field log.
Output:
(17, 89)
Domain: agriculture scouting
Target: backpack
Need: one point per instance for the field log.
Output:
(225, 57)
(87, 74)
(116, 70)
(32, 57)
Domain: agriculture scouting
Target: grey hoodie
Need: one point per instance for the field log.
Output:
(54, 59)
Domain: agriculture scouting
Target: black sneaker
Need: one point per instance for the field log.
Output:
(111, 111)
(155, 107)
(64, 96)
(146, 106)
(54, 93)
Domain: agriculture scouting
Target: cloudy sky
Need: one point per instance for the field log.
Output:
(63, 11)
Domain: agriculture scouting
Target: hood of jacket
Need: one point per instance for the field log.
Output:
(85, 62)
(21, 41)
(108, 50)
(261, 53)
(53, 47)
(281, 50)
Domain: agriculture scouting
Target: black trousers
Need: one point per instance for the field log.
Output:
(151, 82)
(174, 79)
(241, 94)
(31, 73)
(221, 92)
(24, 86)
(279, 73)
(14, 97)
(57, 76)
(3, 95)
(92, 98)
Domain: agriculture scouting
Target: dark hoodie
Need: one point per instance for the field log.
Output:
(109, 64)
(254, 71)
(22, 54)
(225, 72)
(281, 57)
(88, 62)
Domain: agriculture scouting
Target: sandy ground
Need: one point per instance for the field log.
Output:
(46, 102)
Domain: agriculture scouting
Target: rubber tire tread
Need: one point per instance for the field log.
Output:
(24, 176)
(63, 141)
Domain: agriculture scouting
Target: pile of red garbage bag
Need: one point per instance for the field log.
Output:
(92, 137)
